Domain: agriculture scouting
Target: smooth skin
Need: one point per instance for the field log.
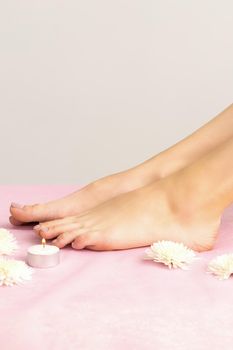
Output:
(149, 202)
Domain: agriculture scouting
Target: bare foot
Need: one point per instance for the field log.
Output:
(171, 160)
(139, 218)
(84, 199)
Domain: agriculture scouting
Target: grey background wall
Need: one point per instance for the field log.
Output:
(91, 87)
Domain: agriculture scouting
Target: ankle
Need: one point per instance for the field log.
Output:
(189, 196)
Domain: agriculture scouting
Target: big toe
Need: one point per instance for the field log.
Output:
(14, 222)
(33, 213)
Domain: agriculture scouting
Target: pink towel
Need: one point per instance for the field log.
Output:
(113, 300)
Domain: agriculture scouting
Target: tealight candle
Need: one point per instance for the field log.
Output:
(43, 255)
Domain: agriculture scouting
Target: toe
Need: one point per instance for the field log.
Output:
(28, 213)
(82, 241)
(36, 212)
(103, 241)
(56, 230)
(65, 238)
(53, 223)
(14, 222)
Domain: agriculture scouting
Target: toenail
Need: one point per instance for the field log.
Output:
(17, 205)
(37, 227)
(44, 229)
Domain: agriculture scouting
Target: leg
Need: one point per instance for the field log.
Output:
(183, 153)
(184, 207)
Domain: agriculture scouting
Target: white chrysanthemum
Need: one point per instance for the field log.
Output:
(222, 266)
(8, 244)
(13, 272)
(171, 254)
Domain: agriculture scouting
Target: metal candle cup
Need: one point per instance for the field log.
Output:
(43, 255)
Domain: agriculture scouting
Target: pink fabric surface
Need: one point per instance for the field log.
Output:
(113, 300)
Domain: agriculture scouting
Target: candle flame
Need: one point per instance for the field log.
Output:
(43, 242)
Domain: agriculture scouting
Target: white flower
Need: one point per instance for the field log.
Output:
(8, 244)
(222, 266)
(13, 272)
(171, 254)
